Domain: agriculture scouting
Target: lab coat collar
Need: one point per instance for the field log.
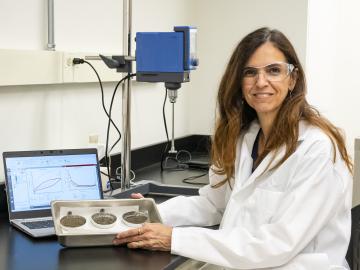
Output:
(254, 128)
(250, 136)
(244, 175)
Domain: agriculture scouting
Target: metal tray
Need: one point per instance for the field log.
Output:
(104, 237)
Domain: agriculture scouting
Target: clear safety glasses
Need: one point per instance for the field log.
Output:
(274, 72)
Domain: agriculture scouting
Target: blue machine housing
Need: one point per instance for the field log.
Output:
(166, 56)
(159, 52)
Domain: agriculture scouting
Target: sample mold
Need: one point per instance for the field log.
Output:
(135, 218)
(72, 221)
(103, 220)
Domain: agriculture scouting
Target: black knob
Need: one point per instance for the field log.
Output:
(195, 62)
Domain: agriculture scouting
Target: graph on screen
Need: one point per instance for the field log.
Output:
(59, 179)
(35, 183)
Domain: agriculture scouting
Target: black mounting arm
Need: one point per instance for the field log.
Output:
(120, 62)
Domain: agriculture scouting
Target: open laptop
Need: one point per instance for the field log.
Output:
(35, 178)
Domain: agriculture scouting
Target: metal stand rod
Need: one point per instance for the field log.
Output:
(126, 101)
(51, 40)
(172, 98)
(172, 149)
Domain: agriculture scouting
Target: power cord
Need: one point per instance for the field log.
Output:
(188, 180)
(166, 131)
(77, 61)
(107, 151)
(177, 162)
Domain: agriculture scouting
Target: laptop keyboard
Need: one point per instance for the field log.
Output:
(39, 224)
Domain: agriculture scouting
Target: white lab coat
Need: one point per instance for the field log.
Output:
(295, 217)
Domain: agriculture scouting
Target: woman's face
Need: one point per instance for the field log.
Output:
(267, 80)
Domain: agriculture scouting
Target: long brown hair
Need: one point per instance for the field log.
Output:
(235, 115)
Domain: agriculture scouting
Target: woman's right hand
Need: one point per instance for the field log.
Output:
(136, 196)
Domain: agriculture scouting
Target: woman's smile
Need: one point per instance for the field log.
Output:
(262, 95)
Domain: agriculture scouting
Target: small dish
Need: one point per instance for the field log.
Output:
(103, 220)
(135, 218)
(72, 221)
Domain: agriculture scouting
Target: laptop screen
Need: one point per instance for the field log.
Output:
(34, 181)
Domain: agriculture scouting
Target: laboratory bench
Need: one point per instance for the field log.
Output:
(19, 251)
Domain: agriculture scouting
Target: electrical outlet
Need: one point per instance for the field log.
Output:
(83, 72)
(94, 139)
(94, 143)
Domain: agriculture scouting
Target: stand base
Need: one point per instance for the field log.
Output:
(153, 189)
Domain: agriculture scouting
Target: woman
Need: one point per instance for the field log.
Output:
(280, 185)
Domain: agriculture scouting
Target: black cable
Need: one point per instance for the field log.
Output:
(101, 88)
(188, 180)
(77, 61)
(112, 101)
(81, 61)
(104, 174)
(166, 130)
(109, 121)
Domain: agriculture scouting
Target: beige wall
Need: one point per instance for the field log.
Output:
(333, 58)
(221, 26)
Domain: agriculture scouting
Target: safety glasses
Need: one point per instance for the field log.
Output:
(274, 72)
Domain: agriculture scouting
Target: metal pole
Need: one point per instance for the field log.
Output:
(51, 39)
(126, 101)
(172, 149)
(172, 98)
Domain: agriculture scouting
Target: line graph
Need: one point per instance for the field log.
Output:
(49, 183)
(62, 178)
(36, 181)
(46, 184)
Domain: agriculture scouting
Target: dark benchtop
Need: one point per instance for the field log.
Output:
(19, 251)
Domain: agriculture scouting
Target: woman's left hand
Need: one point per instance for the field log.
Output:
(152, 236)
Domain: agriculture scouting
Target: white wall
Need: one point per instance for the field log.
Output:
(222, 24)
(333, 57)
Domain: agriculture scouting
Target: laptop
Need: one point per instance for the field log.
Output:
(35, 178)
